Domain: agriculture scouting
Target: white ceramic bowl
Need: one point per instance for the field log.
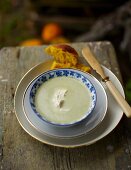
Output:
(46, 76)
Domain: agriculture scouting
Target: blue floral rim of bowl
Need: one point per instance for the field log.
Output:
(37, 82)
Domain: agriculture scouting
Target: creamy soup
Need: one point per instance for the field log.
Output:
(62, 100)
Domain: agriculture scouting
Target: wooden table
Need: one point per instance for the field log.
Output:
(19, 151)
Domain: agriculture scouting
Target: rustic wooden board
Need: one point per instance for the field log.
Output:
(19, 151)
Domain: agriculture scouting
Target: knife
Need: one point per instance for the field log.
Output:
(93, 62)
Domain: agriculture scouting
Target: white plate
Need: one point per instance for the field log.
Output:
(111, 120)
(86, 126)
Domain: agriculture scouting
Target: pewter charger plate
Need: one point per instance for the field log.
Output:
(111, 120)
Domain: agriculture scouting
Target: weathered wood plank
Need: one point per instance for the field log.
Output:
(21, 151)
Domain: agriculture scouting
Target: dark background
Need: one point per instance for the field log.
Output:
(80, 20)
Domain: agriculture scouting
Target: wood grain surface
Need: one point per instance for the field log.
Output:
(19, 151)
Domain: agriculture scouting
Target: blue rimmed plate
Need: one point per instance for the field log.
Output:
(59, 73)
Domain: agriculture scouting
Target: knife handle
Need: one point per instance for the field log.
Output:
(119, 98)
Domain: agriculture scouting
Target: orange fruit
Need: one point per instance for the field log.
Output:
(51, 31)
(31, 42)
(59, 40)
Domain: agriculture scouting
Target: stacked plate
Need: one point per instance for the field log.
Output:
(97, 121)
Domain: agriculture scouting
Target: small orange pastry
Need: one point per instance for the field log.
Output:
(65, 57)
(56, 65)
(63, 53)
(84, 68)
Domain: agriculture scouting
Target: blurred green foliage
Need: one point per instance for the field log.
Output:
(128, 91)
(5, 6)
(14, 23)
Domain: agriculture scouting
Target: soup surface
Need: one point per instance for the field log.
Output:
(62, 100)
